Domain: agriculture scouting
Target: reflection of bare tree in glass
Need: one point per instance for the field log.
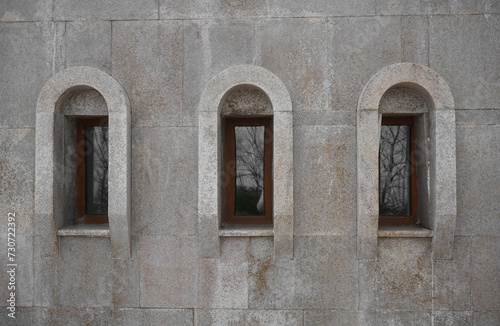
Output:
(394, 170)
(100, 173)
(249, 168)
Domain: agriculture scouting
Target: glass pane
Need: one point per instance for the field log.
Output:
(96, 170)
(249, 142)
(395, 172)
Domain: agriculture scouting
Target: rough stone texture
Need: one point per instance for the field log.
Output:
(13, 10)
(246, 101)
(358, 48)
(152, 75)
(169, 264)
(324, 118)
(219, 317)
(486, 318)
(485, 273)
(88, 44)
(408, 7)
(26, 65)
(63, 316)
(477, 117)
(475, 85)
(414, 39)
(325, 194)
(322, 275)
(105, 10)
(213, 47)
(315, 8)
(404, 274)
(130, 317)
(402, 100)
(84, 272)
(164, 181)
(453, 318)
(452, 278)
(211, 9)
(223, 282)
(125, 277)
(330, 317)
(478, 195)
(302, 60)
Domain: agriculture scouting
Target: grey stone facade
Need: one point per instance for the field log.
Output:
(164, 72)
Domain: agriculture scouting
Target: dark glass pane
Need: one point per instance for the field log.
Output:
(249, 142)
(395, 172)
(96, 170)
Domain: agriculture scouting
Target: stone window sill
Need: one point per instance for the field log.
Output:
(246, 231)
(404, 231)
(85, 230)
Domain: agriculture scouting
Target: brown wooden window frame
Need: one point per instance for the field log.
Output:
(230, 170)
(413, 217)
(81, 179)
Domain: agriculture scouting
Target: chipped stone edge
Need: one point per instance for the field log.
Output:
(209, 153)
(48, 109)
(83, 230)
(443, 212)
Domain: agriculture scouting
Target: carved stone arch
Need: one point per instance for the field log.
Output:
(442, 153)
(49, 152)
(210, 157)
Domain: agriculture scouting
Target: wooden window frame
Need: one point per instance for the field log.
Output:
(413, 217)
(230, 171)
(82, 217)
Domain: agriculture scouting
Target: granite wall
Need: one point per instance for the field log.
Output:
(163, 53)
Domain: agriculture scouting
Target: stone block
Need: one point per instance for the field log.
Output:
(315, 8)
(322, 275)
(220, 317)
(147, 61)
(477, 117)
(478, 204)
(17, 11)
(17, 178)
(45, 277)
(169, 271)
(408, 7)
(23, 316)
(23, 257)
(393, 318)
(487, 318)
(26, 65)
(301, 63)
(164, 182)
(223, 282)
(475, 85)
(171, 9)
(415, 39)
(142, 316)
(452, 318)
(84, 277)
(452, 278)
(485, 273)
(210, 47)
(367, 275)
(105, 10)
(325, 175)
(485, 7)
(330, 317)
(64, 316)
(125, 279)
(404, 274)
(324, 118)
(359, 48)
(89, 44)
